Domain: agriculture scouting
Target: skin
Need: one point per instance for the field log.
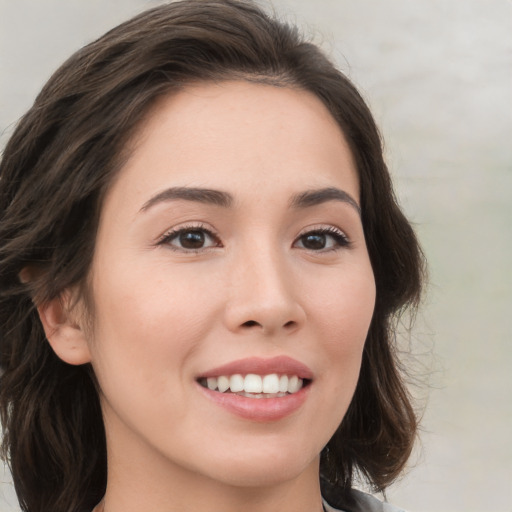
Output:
(164, 314)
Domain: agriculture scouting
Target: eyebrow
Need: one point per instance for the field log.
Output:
(305, 199)
(200, 195)
(323, 195)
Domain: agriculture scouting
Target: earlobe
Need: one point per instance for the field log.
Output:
(64, 333)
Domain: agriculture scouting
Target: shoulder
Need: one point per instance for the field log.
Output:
(362, 502)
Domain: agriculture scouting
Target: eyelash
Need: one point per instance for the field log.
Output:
(340, 239)
(168, 237)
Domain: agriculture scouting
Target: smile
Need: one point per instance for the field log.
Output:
(258, 389)
(255, 386)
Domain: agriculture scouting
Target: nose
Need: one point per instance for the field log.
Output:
(263, 295)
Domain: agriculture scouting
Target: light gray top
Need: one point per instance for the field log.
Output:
(366, 503)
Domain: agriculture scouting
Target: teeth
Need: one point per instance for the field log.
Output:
(211, 382)
(283, 383)
(255, 386)
(262, 395)
(253, 383)
(236, 383)
(223, 383)
(271, 383)
(293, 384)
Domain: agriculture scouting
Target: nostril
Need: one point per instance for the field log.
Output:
(250, 323)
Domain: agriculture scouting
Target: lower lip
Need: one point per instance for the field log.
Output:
(258, 409)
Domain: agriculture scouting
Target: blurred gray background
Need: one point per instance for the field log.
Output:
(438, 76)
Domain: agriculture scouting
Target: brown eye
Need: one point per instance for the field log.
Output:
(192, 239)
(314, 241)
(322, 240)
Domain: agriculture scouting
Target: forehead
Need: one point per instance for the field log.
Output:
(238, 133)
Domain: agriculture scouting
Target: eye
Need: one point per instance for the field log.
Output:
(323, 239)
(193, 239)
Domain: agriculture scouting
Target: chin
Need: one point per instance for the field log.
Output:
(265, 469)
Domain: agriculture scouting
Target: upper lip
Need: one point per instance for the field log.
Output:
(282, 365)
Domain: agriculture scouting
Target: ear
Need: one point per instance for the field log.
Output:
(63, 331)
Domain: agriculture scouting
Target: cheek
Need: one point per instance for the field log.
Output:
(158, 298)
(146, 323)
(346, 303)
(342, 313)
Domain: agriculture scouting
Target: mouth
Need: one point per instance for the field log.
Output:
(252, 385)
(258, 389)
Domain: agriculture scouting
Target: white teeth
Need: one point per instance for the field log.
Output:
(293, 384)
(255, 386)
(283, 383)
(262, 395)
(236, 383)
(211, 382)
(223, 383)
(271, 383)
(253, 383)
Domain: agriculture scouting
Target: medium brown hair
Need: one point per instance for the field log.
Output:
(54, 173)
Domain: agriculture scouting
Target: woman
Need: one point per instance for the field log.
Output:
(201, 262)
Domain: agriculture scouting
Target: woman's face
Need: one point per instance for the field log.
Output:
(230, 244)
